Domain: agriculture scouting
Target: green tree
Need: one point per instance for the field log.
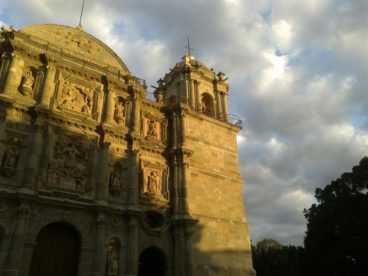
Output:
(336, 241)
(270, 258)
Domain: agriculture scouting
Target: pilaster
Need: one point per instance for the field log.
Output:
(49, 86)
(6, 59)
(102, 187)
(109, 117)
(100, 251)
(133, 253)
(14, 259)
(33, 159)
(14, 76)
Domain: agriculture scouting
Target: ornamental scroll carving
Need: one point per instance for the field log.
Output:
(154, 181)
(67, 167)
(10, 157)
(74, 97)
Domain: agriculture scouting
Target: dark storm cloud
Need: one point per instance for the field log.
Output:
(298, 81)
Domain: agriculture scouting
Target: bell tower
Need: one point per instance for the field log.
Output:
(205, 178)
(200, 88)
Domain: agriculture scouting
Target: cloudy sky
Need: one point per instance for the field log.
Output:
(298, 72)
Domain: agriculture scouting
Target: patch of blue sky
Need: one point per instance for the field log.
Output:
(266, 14)
(318, 61)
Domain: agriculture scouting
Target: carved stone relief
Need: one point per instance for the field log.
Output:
(119, 111)
(27, 84)
(10, 157)
(112, 257)
(151, 128)
(67, 167)
(75, 98)
(154, 181)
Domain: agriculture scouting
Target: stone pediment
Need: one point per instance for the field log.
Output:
(75, 41)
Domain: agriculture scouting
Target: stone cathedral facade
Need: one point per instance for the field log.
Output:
(96, 179)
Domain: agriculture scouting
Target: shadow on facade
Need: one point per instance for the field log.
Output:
(58, 183)
(97, 172)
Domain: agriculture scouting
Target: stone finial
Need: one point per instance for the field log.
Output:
(221, 76)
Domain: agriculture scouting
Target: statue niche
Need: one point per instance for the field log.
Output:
(152, 129)
(115, 181)
(10, 158)
(67, 169)
(28, 80)
(112, 257)
(119, 111)
(75, 98)
(152, 185)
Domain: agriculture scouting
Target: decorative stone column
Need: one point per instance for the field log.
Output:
(102, 181)
(133, 194)
(49, 87)
(137, 103)
(14, 259)
(192, 93)
(14, 76)
(33, 162)
(110, 106)
(225, 106)
(100, 249)
(179, 252)
(219, 111)
(6, 59)
(133, 254)
(181, 127)
(196, 92)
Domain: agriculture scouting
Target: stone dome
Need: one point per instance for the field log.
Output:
(75, 41)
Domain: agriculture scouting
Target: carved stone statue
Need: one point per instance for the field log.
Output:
(119, 112)
(221, 76)
(152, 129)
(68, 97)
(10, 158)
(86, 107)
(115, 181)
(27, 83)
(112, 258)
(153, 183)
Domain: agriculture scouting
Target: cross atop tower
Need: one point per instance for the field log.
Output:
(81, 15)
(188, 48)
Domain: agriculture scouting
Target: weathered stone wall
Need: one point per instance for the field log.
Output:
(80, 144)
(215, 179)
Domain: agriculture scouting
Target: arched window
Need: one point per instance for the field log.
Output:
(207, 105)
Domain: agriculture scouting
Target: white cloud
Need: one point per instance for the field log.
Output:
(283, 35)
(298, 73)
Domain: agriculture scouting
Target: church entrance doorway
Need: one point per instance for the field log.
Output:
(56, 252)
(152, 261)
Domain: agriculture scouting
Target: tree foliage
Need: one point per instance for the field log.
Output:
(336, 241)
(270, 258)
